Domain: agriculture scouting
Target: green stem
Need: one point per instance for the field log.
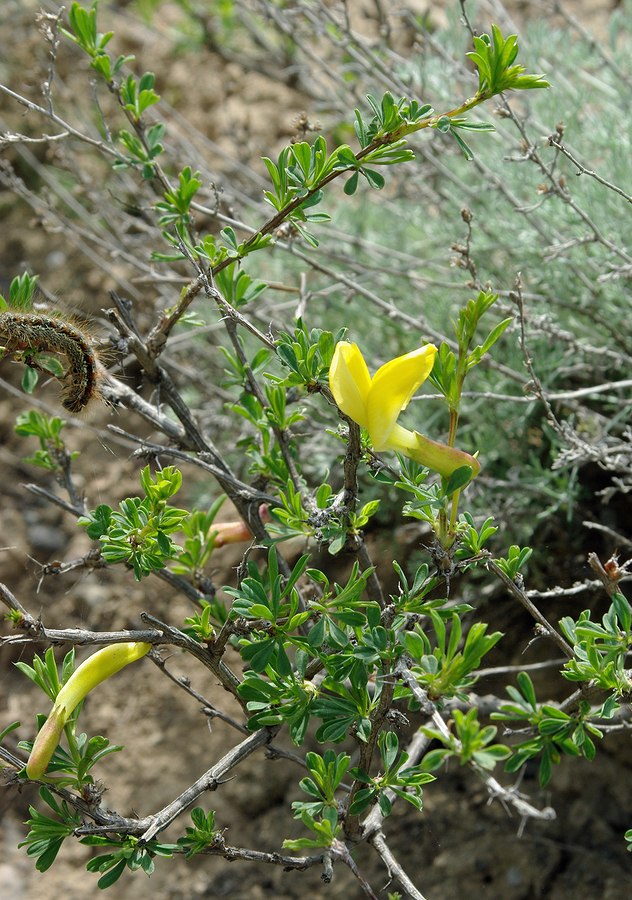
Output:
(277, 220)
(272, 224)
(454, 421)
(448, 537)
(454, 514)
(442, 530)
(466, 106)
(73, 746)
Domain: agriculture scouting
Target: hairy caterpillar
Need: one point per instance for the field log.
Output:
(23, 332)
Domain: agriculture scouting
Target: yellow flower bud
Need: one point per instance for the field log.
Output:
(88, 675)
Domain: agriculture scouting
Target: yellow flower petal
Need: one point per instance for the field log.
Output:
(349, 381)
(391, 389)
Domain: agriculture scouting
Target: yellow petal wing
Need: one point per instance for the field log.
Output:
(350, 381)
(392, 386)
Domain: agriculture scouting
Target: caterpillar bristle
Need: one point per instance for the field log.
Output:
(32, 331)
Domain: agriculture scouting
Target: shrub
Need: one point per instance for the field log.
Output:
(307, 443)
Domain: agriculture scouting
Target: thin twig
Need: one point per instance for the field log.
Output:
(352, 825)
(208, 708)
(219, 848)
(531, 608)
(149, 826)
(227, 677)
(154, 449)
(340, 851)
(78, 637)
(620, 539)
(394, 869)
(508, 796)
(584, 171)
(103, 146)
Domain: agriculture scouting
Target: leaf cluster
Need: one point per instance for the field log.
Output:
(600, 649)
(47, 833)
(450, 369)
(199, 540)
(307, 354)
(396, 777)
(128, 853)
(22, 290)
(201, 835)
(446, 668)
(139, 534)
(557, 732)
(52, 452)
(469, 742)
(494, 57)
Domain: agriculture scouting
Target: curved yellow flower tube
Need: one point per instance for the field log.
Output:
(375, 404)
(92, 671)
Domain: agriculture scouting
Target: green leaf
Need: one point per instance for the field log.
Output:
(8, 730)
(623, 611)
(526, 686)
(389, 745)
(375, 179)
(467, 151)
(112, 876)
(30, 378)
(494, 58)
(457, 480)
(362, 801)
(351, 184)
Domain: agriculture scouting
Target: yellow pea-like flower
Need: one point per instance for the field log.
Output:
(101, 665)
(376, 402)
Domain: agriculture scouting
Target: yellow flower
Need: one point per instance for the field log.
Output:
(375, 404)
(95, 669)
